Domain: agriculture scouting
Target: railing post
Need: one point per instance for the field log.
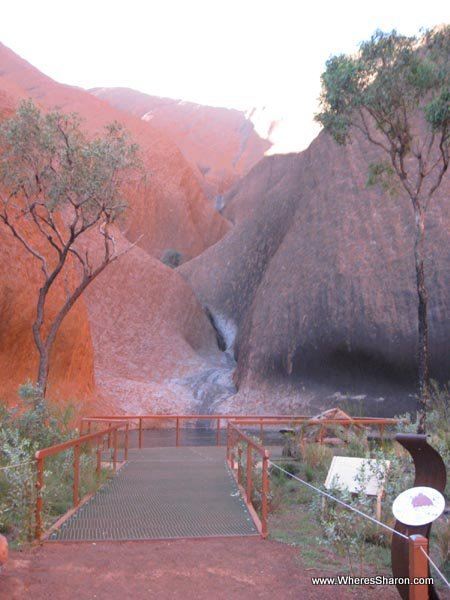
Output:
(265, 494)
(261, 431)
(239, 473)
(218, 432)
(109, 435)
(126, 442)
(228, 440)
(249, 473)
(140, 433)
(39, 486)
(177, 443)
(115, 450)
(76, 474)
(99, 457)
(418, 567)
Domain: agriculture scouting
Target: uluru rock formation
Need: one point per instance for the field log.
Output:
(305, 281)
(221, 144)
(317, 277)
(170, 209)
(140, 317)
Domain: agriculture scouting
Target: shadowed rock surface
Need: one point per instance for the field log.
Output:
(221, 144)
(318, 276)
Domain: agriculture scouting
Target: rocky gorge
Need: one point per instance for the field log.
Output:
(296, 286)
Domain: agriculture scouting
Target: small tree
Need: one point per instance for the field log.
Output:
(396, 92)
(56, 186)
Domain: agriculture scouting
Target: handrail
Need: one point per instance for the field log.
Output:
(52, 450)
(418, 545)
(75, 443)
(234, 436)
(260, 420)
(177, 418)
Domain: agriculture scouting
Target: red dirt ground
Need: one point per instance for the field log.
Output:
(223, 569)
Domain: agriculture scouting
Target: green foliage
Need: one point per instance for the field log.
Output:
(391, 76)
(37, 424)
(317, 456)
(48, 157)
(382, 174)
(172, 258)
(328, 525)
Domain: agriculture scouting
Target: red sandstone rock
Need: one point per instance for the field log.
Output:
(220, 144)
(170, 209)
(318, 276)
(148, 331)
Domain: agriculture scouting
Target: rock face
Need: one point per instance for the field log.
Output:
(318, 277)
(72, 360)
(169, 210)
(138, 339)
(220, 144)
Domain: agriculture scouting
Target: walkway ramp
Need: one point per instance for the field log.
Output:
(163, 493)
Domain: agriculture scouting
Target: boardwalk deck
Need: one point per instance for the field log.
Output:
(163, 493)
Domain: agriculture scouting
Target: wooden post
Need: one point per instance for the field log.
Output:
(140, 433)
(418, 567)
(265, 494)
(218, 432)
(76, 475)
(177, 442)
(39, 486)
(249, 473)
(126, 442)
(115, 450)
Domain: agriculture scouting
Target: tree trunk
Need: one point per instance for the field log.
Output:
(423, 350)
(43, 370)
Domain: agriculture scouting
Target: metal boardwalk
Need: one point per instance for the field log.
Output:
(163, 493)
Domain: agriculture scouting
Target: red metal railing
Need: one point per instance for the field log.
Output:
(250, 420)
(177, 420)
(235, 440)
(239, 442)
(379, 422)
(97, 438)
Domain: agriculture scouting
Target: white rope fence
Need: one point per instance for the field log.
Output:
(359, 512)
(327, 495)
(444, 579)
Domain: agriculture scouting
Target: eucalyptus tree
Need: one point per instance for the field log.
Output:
(395, 91)
(57, 189)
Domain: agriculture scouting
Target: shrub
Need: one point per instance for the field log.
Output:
(172, 258)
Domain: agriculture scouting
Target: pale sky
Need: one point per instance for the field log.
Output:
(238, 54)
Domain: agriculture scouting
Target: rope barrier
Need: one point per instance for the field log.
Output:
(436, 567)
(28, 462)
(340, 502)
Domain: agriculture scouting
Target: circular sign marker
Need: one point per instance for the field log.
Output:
(418, 506)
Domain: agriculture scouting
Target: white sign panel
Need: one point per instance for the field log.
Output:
(418, 506)
(345, 472)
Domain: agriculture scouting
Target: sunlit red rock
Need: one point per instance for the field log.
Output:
(220, 144)
(170, 209)
(139, 331)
